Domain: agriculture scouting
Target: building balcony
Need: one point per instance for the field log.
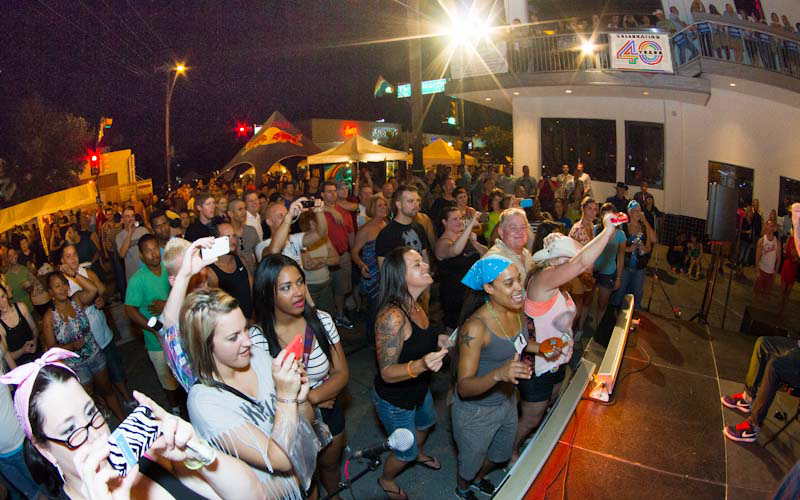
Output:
(521, 64)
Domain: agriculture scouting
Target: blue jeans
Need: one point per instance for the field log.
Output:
(632, 282)
(14, 470)
(393, 418)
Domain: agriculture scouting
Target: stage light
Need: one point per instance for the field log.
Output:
(587, 48)
(645, 93)
(732, 84)
(568, 91)
(516, 93)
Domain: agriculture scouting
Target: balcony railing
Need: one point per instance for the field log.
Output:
(732, 41)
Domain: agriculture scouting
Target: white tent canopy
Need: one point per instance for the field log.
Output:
(79, 196)
(357, 149)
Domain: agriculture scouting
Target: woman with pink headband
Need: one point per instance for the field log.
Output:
(67, 445)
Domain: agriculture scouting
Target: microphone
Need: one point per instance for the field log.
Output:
(400, 440)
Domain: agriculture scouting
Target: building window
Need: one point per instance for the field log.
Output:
(644, 154)
(788, 193)
(572, 140)
(733, 176)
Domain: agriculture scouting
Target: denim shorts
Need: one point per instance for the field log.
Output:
(605, 280)
(393, 418)
(538, 389)
(481, 433)
(87, 369)
(13, 468)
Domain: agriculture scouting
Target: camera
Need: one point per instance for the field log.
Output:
(308, 203)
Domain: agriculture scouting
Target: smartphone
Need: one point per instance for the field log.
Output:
(308, 203)
(451, 340)
(221, 247)
(134, 436)
(296, 347)
(526, 203)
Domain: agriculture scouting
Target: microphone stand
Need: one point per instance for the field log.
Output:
(347, 484)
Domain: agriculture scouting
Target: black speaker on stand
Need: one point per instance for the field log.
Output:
(720, 227)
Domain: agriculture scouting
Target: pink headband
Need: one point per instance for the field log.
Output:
(24, 376)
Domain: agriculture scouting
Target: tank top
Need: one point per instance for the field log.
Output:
(237, 284)
(493, 356)
(369, 286)
(74, 328)
(453, 269)
(552, 318)
(323, 274)
(17, 336)
(769, 252)
(409, 394)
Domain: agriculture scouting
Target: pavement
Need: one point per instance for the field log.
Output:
(363, 427)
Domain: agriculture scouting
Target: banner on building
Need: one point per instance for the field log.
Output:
(640, 52)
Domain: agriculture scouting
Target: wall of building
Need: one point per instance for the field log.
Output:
(789, 8)
(733, 128)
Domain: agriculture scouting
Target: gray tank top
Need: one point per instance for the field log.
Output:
(493, 356)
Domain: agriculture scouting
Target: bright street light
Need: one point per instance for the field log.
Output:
(468, 29)
(180, 68)
(587, 48)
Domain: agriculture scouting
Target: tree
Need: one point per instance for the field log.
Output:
(499, 143)
(44, 150)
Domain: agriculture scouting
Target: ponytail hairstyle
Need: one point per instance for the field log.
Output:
(42, 470)
(264, 287)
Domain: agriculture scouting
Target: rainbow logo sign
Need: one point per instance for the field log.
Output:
(648, 51)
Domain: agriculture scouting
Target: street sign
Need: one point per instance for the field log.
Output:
(433, 86)
(428, 87)
(404, 90)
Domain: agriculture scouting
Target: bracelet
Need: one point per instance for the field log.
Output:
(202, 457)
(290, 401)
(408, 369)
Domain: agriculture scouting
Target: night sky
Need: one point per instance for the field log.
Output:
(246, 59)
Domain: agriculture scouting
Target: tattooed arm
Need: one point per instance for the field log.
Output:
(390, 328)
(472, 337)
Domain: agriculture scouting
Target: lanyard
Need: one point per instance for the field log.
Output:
(502, 328)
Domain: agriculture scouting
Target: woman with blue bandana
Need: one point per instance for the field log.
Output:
(640, 239)
(490, 343)
(553, 311)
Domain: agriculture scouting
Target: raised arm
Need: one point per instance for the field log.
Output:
(192, 264)
(88, 288)
(446, 249)
(551, 278)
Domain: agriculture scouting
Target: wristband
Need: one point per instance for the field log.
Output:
(290, 401)
(408, 368)
(200, 456)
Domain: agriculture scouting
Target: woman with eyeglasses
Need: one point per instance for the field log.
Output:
(67, 445)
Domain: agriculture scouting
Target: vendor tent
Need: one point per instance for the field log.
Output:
(85, 194)
(277, 140)
(440, 153)
(357, 149)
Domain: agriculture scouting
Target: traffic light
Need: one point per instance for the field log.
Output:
(242, 129)
(453, 118)
(94, 163)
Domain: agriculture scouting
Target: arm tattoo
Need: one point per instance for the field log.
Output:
(389, 337)
(466, 338)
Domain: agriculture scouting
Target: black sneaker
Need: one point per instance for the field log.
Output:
(484, 486)
(466, 495)
(344, 322)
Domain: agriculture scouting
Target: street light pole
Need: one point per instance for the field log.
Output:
(171, 81)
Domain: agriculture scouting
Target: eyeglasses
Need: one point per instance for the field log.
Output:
(81, 434)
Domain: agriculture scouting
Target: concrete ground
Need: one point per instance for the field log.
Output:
(363, 427)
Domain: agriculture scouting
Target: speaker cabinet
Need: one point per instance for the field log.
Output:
(721, 219)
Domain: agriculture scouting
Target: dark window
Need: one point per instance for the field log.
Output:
(732, 176)
(644, 154)
(788, 193)
(572, 140)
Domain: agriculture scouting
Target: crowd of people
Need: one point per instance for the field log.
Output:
(517, 262)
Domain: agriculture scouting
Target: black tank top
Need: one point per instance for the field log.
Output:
(409, 394)
(237, 284)
(17, 336)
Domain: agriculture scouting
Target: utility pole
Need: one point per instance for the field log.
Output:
(415, 75)
(462, 126)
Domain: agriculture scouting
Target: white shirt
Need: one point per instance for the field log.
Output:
(293, 248)
(255, 222)
(361, 219)
(587, 183)
(97, 320)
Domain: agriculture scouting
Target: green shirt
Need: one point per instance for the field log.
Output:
(16, 277)
(144, 288)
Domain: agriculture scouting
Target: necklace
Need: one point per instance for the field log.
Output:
(502, 328)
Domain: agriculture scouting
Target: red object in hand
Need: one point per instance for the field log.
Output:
(550, 344)
(620, 218)
(295, 347)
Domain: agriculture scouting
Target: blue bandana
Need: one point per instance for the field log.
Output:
(485, 271)
(633, 204)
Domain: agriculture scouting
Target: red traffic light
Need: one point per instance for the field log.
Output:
(94, 158)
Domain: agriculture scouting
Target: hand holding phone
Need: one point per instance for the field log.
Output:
(134, 436)
(296, 347)
(221, 247)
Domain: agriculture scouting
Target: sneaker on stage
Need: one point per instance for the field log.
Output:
(744, 432)
(484, 486)
(466, 495)
(737, 402)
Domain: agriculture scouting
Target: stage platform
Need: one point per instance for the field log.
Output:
(661, 435)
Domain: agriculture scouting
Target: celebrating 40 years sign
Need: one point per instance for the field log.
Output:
(640, 52)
